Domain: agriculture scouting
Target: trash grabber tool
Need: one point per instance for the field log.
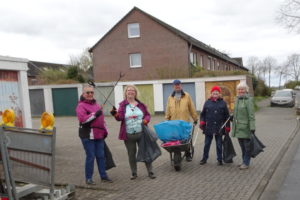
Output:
(195, 140)
(92, 83)
(121, 75)
(224, 124)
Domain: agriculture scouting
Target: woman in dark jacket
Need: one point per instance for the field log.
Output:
(213, 116)
(132, 113)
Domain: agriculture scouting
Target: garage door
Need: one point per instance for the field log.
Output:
(105, 90)
(10, 95)
(146, 96)
(188, 87)
(37, 102)
(64, 101)
(228, 90)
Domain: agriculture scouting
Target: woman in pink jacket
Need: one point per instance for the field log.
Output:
(92, 132)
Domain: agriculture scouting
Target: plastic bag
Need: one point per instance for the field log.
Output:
(148, 149)
(151, 133)
(256, 146)
(228, 149)
(173, 130)
(109, 161)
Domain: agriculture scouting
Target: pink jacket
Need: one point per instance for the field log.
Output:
(86, 115)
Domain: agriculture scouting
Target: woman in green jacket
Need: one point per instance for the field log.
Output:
(243, 122)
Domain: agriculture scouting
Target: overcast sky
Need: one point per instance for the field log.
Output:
(53, 30)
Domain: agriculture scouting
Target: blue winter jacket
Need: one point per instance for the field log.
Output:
(214, 114)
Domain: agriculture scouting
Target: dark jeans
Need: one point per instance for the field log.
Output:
(131, 146)
(245, 146)
(94, 149)
(208, 139)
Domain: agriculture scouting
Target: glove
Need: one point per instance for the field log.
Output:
(98, 113)
(113, 111)
(227, 129)
(202, 125)
(252, 131)
(231, 118)
(195, 122)
(145, 122)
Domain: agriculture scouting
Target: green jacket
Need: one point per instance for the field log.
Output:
(243, 117)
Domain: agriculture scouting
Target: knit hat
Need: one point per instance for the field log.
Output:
(215, 88)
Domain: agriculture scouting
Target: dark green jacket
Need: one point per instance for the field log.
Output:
(243, 117)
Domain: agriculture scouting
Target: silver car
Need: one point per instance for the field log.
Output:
(283, 98)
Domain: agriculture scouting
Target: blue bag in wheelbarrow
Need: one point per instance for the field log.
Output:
(173, 130)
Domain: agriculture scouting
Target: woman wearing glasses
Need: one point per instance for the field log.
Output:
(92, 132)
(132, 113)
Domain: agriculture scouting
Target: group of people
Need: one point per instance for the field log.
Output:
(133, 114)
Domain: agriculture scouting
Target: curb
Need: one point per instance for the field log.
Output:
(267, 177)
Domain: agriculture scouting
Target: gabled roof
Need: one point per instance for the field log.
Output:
(194, 42)
(35, 67)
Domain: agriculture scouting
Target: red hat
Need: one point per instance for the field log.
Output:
(215, 88)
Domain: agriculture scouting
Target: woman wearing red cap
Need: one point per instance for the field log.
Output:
(213, 116)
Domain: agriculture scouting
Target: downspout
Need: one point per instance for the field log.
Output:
(91, 75)
(189, 60)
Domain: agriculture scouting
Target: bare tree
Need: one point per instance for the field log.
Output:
(253, 64)
(262, 69)
(293, 65)
(269, 64)
(83, 61)
(289, 15)
(282, 71)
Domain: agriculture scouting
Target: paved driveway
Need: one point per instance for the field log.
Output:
(274, 127)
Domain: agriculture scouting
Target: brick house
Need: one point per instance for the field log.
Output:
(143, 47)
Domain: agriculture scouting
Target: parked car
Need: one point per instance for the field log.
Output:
(297, 87)
(285, 97)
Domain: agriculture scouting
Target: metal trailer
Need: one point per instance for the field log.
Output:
(28, 157)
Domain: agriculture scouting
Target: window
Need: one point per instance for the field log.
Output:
(218, 66)
(135, 60)
(193, 58)
(133, 30)
(201, 61)
(209, 63)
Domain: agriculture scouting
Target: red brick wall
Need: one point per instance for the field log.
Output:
(159, 47)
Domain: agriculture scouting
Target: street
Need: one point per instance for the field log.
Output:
(274, 128)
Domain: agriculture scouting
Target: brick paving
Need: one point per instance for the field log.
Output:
(207, 182)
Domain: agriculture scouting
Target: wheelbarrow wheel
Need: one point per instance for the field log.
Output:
(177, 161)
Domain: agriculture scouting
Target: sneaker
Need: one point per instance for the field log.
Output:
(151, 175)
(90, 182)
(243, 166)
(202, 162)
(220, 162)
(134, 176)
(106, 180)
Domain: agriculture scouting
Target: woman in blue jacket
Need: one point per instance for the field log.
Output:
(214, 114)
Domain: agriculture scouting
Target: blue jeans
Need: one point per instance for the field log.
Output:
(94, 149)
(245, 146)
(208, 139)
